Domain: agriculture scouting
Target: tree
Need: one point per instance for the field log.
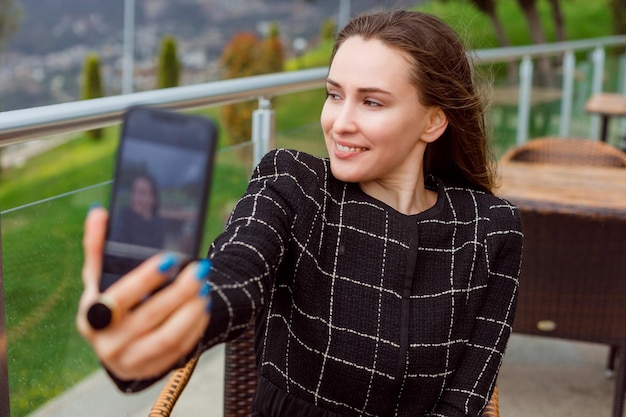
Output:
(272, 56)
(619, 19)
(244, 56)
(327, 31)
(537, 35)
(9, 16)
(239, 60)
(488, 7)
(559, 21)
(531, 14)
(168, 66)
(239, 56)
(92, 85)
(619, 16)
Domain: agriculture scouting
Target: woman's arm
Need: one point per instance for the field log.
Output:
(165, 331)
(470, 386)
(249, 252)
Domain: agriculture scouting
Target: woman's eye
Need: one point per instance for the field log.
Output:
(372, 103)
(332, 96)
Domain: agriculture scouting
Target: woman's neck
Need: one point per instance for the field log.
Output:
(405, 197)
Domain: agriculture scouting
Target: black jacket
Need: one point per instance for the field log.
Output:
(359, 309)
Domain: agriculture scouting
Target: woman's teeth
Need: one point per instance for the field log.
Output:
(348, 148)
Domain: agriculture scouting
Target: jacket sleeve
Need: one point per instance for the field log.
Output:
(470, 386)
(247, 254)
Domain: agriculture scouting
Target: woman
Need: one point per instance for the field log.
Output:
(381, 281)
(139, 222)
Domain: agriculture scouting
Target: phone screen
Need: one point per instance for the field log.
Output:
(160, 191)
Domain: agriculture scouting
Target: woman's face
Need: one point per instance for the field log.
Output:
(373, 122)
(142, 199)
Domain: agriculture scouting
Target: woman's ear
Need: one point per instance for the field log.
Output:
(437, 123)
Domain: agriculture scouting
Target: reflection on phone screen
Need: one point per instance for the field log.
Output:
(158, 198)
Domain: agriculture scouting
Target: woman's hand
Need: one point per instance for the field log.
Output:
(152, 336)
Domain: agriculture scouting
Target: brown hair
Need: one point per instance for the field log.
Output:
(442, 74)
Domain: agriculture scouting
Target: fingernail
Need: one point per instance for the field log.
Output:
(93, 206)
(167, 262)
(203, 269)
(205, 291)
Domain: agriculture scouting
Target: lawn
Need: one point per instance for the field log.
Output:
(44, 203)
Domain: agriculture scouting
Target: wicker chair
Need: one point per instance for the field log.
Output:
(566, 151)
(563, 253)
(240, 375)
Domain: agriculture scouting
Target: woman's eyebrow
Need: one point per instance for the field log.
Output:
(361, 89)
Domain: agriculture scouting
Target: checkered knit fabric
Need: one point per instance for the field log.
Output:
(361, 310)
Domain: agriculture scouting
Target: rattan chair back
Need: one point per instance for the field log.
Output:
(567, 151)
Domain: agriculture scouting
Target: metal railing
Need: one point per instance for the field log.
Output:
(20, 126)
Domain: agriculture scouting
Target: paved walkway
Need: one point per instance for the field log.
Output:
(556, 378)
(539, 377)
(97, 396)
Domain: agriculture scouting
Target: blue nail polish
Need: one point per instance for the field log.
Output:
(93, 206)
(167, 262)
(203, 269)
(206, 289)
(209, 305)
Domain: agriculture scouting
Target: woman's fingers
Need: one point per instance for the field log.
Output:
(93, 242)
(138, 284)
(156, 308)
(158, 351)
(155, 335)
(155, 329)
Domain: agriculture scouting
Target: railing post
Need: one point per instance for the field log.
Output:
(4, 369)
(129, 47)
(523, 107)
(567, 97)
(597, 59)
(263, 127)
(621, 88)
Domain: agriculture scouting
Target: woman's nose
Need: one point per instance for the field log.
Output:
(345, 118)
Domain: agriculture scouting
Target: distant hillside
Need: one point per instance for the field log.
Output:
(55, 25)
(42, 61)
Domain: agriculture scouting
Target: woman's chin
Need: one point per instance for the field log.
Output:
(346, 174)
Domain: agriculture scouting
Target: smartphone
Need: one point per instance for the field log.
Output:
(160, 190)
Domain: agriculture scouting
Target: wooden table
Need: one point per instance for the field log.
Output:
(573, 278)
(606, 105)
(564, 189)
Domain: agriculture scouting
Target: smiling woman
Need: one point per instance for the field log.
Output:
(381, 280)
(375, 128)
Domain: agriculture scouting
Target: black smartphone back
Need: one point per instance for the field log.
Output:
(160, 190)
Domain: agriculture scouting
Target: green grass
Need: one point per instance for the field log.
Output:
(42, 258)
(41, 242)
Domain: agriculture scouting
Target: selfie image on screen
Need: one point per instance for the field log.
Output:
(157, 200)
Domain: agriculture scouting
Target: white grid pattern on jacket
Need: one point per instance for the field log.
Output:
(326, 267)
